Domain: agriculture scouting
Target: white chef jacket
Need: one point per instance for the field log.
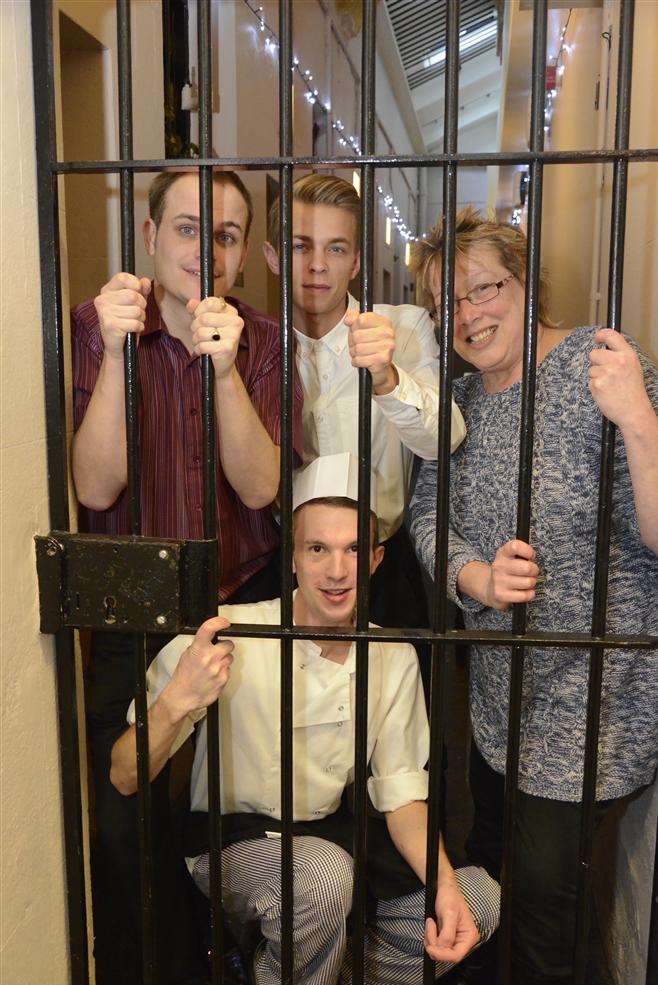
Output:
(323, 724)
(404, 422)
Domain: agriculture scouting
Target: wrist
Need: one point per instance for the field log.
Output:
(225, 374)
(446, 876)
(386, 382)
(172, 706)
(641, 423)
(111, 357)
(473, 580)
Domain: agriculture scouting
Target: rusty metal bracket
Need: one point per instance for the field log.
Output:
(130, 584)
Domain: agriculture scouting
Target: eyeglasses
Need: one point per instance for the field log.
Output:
(478, 295)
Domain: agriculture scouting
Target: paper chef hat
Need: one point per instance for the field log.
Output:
(330, 475)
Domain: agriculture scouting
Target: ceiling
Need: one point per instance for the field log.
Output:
(419, 27)
(420, 32)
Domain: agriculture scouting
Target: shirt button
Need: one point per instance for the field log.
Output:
(328, 769)
(193, 411)
(341, 707)
(317, 812)
(196, 460)
(338, 724)
(325, 376)
(302, 666)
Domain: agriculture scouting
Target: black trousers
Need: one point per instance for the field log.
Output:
(397, 594)
(109, 689)
(545, 872)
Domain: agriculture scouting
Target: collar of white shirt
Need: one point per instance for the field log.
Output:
(311, 653)
(335, 339)
(312, 659)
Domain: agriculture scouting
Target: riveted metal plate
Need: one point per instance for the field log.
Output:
(129, 584)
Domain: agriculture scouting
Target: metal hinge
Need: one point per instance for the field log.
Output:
(132, 584)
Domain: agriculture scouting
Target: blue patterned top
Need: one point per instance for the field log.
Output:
(483, 493)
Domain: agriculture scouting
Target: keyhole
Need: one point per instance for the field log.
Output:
(110, 604)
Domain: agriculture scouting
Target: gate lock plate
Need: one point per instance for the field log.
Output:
(131, 584)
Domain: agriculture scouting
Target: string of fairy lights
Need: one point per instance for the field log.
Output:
(343, 137)
(558, 69)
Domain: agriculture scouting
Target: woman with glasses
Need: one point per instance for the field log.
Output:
(582, 375)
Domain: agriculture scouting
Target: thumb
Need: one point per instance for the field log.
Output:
(145, 286)
(192, 305)
(207, 630)
(448, 929)
(351, 315)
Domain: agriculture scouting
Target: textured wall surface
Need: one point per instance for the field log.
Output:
(33, 928)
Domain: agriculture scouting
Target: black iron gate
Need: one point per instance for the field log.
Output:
(185, 588)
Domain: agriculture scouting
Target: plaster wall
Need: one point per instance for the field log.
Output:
(33, 929)
(33, 921)
(569, 213)
(640, 299)
(577, 198)
(98, 20)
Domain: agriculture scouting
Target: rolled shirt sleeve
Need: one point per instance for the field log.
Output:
(402, 746)
(413, 406)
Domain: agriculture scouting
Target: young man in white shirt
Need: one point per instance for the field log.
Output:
(190, 673)
(395, 343)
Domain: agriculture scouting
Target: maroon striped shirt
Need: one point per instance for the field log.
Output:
(172, 441)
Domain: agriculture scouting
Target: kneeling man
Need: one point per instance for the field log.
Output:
(190, 673)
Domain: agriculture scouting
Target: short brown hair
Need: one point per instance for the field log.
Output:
(346, 503)
(163, 182)
(318, 189)
(472, 230)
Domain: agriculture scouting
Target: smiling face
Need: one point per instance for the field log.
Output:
(325, 260)
(325, 556)
(488, 335)
(175, 244)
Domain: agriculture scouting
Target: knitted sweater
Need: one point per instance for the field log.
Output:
(483, 492)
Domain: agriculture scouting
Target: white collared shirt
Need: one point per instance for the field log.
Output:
(404, 422)
(323, 724)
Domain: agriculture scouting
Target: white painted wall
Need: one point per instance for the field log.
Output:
(33, 932)
(32, 918)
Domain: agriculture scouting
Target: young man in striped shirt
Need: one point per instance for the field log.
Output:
(173, 328)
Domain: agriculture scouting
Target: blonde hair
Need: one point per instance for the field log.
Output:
(318, 189)
(473, 231)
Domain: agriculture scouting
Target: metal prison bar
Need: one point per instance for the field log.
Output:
(133, 488)
(209, 470)
(525, 469)
(440, 636)
(617, 233)
(286, 460)
(440, 607)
